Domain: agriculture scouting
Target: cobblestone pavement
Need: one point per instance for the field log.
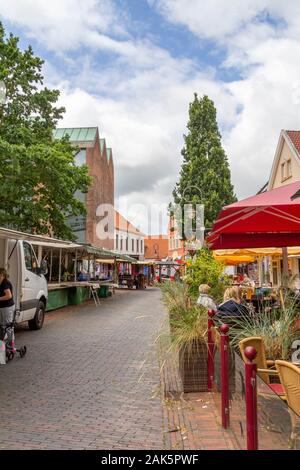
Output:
(90, 379)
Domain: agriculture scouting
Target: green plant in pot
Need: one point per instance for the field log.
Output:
(204, 269)
(189, 337)
(188, 326)
(278, 327)
(175, 296)
(188, 321)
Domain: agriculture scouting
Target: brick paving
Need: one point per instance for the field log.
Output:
(104, 378)
(192, 421)
(90, 379)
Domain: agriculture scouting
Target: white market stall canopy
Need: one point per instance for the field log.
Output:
(36, 239)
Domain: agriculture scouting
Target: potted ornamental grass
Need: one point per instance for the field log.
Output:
(188, 321)
(278, 326)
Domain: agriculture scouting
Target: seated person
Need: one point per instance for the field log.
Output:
(247, 282)
(204, 299)
(232, 306)
(82, 276)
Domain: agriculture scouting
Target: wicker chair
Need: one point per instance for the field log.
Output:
(290, 378)
(264, 366)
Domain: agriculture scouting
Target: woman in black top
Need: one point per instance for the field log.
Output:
(7, 305)
(232, 306)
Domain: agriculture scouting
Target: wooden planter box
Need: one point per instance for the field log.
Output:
(193, 367)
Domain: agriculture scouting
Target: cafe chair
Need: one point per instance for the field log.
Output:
(265, 367)
(290, 378)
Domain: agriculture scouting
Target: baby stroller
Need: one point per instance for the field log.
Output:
(7, 340)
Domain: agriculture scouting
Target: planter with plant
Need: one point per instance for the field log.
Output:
(188, 329)
(205, 269)
(278, 328)
(188, 321)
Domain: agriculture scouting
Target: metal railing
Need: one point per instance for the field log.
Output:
(256, 417)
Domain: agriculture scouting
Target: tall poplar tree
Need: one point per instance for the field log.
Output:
(205, 174)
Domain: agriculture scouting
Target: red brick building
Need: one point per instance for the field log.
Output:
(99, 159)
(156, 247)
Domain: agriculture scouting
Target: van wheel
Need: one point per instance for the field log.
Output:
(37, 322)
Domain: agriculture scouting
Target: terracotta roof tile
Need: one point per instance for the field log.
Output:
(295, 139)
(123, 224)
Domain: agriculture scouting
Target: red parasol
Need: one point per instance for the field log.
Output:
(267, 219)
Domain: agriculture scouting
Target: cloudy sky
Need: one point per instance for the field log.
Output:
(131, 67)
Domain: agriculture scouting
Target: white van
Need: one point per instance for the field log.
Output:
(30, 290)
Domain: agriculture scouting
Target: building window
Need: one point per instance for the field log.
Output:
(117, 241)
(132, 245)
(137, 246)
(80, 157)
(127, 244)
(286, 170)
(141, 246)
(283, 171)
(121, 244)
(289, 168)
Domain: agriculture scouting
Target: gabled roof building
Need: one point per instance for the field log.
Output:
(99, 159)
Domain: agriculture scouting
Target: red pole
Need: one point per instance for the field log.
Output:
(210, 352)
(251, 399)
(224, 352)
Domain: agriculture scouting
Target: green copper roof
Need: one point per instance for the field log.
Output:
(76, 134)
(108, 153)
(102, 144)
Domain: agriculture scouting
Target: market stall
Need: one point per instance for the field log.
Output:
(168, 270)
(73, 270)
(125, 271)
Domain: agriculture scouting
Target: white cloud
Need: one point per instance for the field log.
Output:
(268, 96)
(140, 99)
(143, 118)
(211, 19)
(63, 25)
(262, 41)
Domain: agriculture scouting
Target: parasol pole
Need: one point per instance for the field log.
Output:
(285, 261)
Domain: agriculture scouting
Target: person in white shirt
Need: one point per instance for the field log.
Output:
(204, 299)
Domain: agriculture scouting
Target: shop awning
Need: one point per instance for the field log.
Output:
(35, 239)
(270, 219)
(126, 259)
(101, 253)
(105, 261)
(145, 263)
(233, 259)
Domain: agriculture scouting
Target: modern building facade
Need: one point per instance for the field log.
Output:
(129, 240)
(99, 159)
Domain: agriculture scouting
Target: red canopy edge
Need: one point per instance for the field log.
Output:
(253, 240)
(267, 219)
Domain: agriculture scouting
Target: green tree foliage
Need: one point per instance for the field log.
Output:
(205, 175)
(38, 175)
(204, 269)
